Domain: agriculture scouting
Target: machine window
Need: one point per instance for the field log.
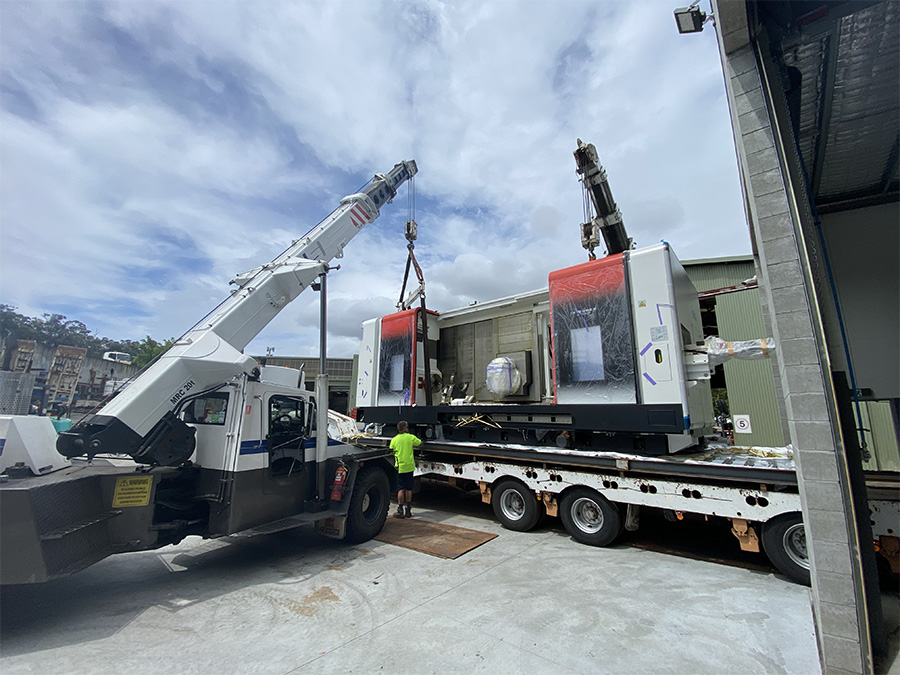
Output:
(587, 354)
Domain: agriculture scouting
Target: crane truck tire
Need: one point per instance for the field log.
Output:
(369, 504)
(784, 541)
(515, 506)
(589, 517)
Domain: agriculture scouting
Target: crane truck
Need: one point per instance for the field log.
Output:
(214, 442)
(588, 400)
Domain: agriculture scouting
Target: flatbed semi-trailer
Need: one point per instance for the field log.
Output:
(596, 494)
(590, 398)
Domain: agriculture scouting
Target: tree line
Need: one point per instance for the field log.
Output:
(56, 329)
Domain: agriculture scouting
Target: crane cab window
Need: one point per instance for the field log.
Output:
(287, 435)
(209, 409)
(287, 416)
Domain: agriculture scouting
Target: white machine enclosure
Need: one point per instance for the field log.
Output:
(669, 335)
(391, 371)
(623, 330)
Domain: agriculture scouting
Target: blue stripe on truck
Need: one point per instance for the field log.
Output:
(257, 447)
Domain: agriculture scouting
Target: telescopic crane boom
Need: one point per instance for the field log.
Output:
(142, 420)
(608, 221)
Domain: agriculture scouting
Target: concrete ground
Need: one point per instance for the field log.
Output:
(291, 602)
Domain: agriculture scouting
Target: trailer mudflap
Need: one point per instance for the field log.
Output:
(889, 548)
(745, 534)
(550, 504)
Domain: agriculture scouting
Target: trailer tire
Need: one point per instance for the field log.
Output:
(515, 506)
(369, 505)
(784, 541)
(589, 517)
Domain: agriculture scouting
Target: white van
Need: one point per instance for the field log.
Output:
(117, 357)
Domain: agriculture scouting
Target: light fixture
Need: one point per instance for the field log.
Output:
(690, 19)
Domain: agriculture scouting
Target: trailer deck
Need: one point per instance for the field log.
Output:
(721, 462)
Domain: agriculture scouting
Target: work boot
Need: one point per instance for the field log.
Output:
(400, 513)
(408, 512)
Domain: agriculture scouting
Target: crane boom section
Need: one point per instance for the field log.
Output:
(264, 291)
(608, 222)
(140, 420)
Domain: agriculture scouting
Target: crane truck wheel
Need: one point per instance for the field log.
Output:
(515, 506)
(784, 541)
(368, 505)
(589, 517)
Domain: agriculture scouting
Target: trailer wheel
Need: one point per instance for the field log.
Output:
(784, 541)
(368, 505)
(589, 517)
(515, 505)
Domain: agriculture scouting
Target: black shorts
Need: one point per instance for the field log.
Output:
(405, 481)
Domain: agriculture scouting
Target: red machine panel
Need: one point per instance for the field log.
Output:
(593, 345)
(397, 358)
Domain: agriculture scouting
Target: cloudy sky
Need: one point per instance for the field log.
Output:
(150, 151)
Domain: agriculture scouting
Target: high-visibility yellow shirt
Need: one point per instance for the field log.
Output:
(402, 445)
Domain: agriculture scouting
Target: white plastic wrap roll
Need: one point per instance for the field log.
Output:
(720, 351)
(503, 378)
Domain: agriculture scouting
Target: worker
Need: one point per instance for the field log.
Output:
(402, 444)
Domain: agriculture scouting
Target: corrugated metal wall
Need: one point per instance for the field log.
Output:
(751, 388)
(750, 385)
(882, 441)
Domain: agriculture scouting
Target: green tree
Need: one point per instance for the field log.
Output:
(15, 324)
(146, 350)
(56, 329)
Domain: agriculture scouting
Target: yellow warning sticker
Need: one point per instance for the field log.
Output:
(132, 491)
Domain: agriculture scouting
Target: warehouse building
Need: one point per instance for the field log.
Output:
(812, 89)
(732, 309)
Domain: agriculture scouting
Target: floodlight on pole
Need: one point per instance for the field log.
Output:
(690, 19)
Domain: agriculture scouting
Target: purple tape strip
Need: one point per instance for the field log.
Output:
(583, 320)
(650, 379)
(643, 351)
(659, 313)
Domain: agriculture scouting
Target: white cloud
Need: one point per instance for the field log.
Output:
(150, 151)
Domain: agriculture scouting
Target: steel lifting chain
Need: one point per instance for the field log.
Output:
(411, 231)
